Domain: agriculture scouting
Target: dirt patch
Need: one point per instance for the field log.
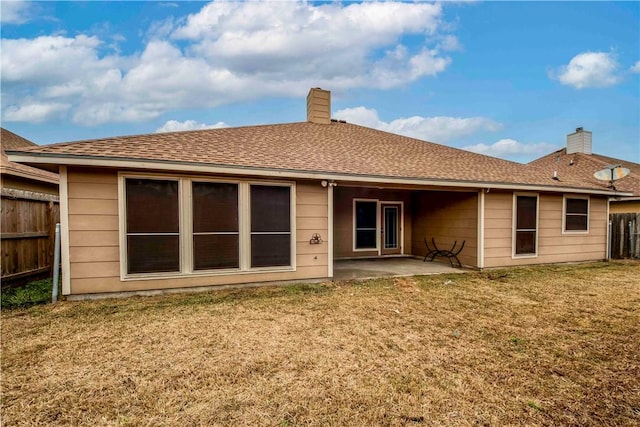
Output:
(406, 284)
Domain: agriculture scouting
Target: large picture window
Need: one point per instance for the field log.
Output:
(270, 226)
(177, 226)
(152, 226)
(216, 237)
(526, 225)
(576, 214)
(366, 224)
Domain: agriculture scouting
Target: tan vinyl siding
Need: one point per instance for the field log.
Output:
(446, 217)
(343, 218)
(553, 245)
(94, 239)
(625, 207)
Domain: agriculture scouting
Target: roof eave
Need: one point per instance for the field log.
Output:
(171, 165)
(26, 175)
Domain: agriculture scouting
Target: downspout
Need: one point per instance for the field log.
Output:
(56, 266)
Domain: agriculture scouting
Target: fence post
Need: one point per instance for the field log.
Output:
(631, 242)
(610, 242)
(51, 226)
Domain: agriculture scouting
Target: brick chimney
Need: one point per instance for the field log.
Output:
(579, 142)
(319, 106)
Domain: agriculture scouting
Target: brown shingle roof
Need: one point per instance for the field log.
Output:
(583, 166)
(335, 148)
(11, 141)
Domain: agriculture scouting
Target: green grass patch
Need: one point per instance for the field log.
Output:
(37, 292)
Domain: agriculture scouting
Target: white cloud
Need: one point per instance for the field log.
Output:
(14, 12)
(174, 126)
(229, 52)
(35, 112)
(512, 149)
(635, 68)
(449, 43)
(589, 69)
(436, 129)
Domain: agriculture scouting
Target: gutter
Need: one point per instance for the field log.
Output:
(182, 166)
(624, 199)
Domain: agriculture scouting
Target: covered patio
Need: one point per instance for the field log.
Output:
(389, 267)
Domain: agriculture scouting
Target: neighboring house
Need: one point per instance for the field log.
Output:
(21, 177)
(577, 161)
(282, 202)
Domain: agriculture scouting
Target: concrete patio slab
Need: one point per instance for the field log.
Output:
(389, 267)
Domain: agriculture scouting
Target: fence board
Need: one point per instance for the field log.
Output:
(625, 235)
(27, 227)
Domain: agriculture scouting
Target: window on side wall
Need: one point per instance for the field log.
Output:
(152, 226)
(576, 214)
(526, 225)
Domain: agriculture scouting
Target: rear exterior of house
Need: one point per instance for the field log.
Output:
(136, 223)
(206, 230)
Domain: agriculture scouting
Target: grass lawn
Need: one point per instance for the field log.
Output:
(555, 345)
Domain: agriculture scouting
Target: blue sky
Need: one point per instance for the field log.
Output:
(508, 79)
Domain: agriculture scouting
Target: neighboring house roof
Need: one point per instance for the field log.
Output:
(336, 150)
(11, 141)
(583, 166)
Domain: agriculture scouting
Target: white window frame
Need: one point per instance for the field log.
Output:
(190, 233)
(292, 225)
(353, 214)
(564, 214)
(122, 232)
(515, 223)
(185, 206)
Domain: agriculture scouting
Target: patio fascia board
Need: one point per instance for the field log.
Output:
(169, 165)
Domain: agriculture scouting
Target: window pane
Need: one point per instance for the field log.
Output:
(391, 228)
(269, 250)
(152, 206)
(576, 223)
(215, 207)
(525, 242)
(215, 251)
(366, 214)
(526, 212)
(577, 206)
(365, 239)
(270, 208)
(153, 254)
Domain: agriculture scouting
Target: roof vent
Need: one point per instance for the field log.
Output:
(579, 142)
(319, 106)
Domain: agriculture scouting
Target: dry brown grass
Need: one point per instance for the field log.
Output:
(534, 346)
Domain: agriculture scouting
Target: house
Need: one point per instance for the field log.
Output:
(16, 176)
(282, 202)
(577, 160)
(29, 213)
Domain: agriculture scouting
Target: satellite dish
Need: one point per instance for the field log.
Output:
(611, 173)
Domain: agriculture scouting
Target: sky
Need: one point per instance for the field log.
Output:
(506, 79)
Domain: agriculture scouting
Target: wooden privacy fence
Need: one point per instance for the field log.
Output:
(625, 235)
(27, 234)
